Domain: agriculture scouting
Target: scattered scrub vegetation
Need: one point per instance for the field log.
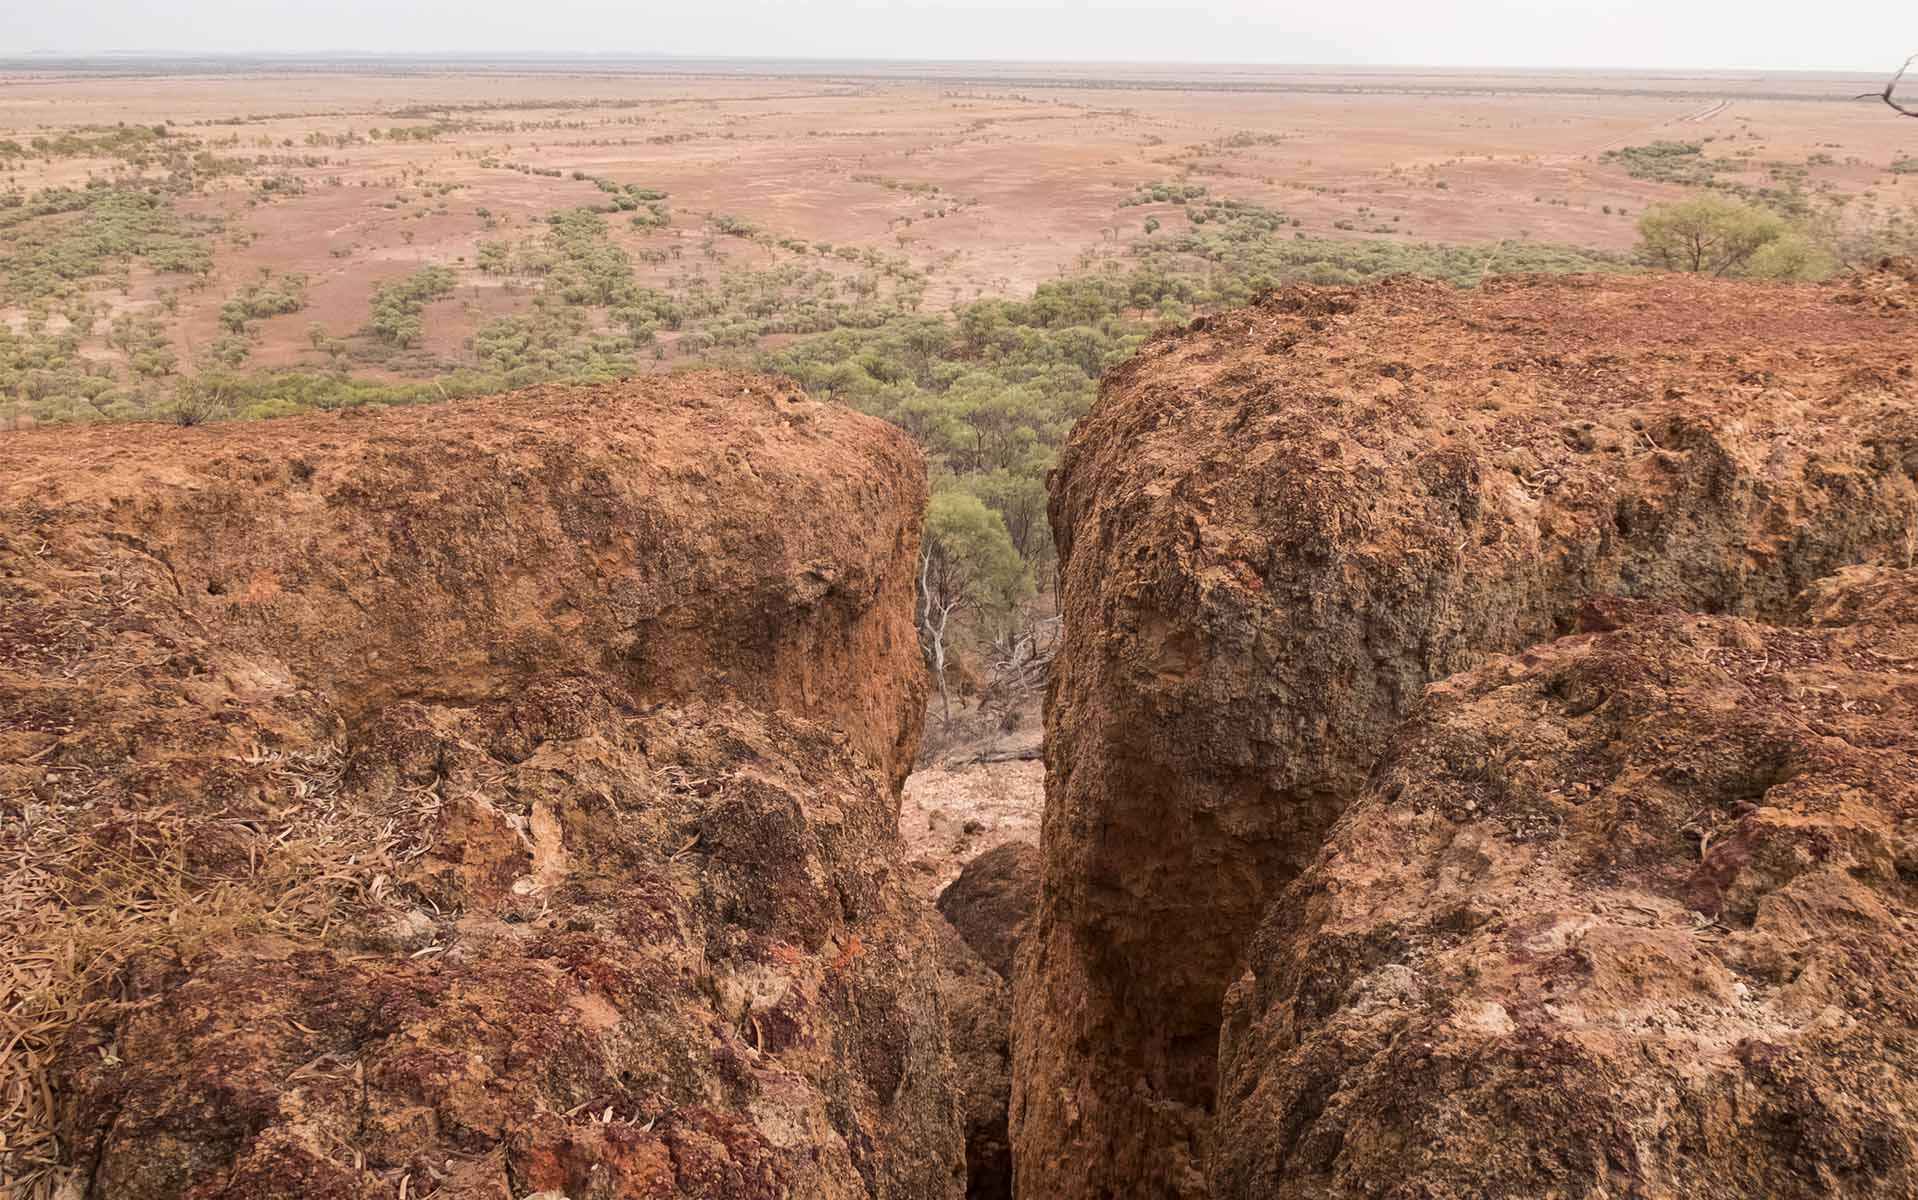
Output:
(399, 306)
(60, 238)
(610, 287)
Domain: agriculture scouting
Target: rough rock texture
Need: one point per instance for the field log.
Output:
(609, 906)
(1279, 526)
(987, 910)
(712, 986)
(978, 1006)
(1630, 914)
(1863, 595)
(992, 901)
(654, 534)
(1892, 289)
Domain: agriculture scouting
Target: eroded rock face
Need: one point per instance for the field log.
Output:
(654, 534)
(987, 911)
(992, 901)
(1277, 528)
(1628, 914)
(978, 1006)
(709, 984)
(551, 923)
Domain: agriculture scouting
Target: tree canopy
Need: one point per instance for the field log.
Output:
(1716, 235)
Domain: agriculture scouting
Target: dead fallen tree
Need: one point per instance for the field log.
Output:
(1022, 754)
(1021, 662)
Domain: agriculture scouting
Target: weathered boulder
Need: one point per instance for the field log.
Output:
(486, 799)
(1631, 913)
(992, 901)
(1278, 527)
(655, 534)
(699, 980)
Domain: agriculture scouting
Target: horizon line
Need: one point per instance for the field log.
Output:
(700, 56)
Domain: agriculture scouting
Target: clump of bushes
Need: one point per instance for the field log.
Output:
(58, 238)
(399, 305)
(273, 297)
(1717, 235)
(1163, 193)
(1671, 162)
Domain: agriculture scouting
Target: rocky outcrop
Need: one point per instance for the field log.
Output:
(1891, 289)
(484, 800)
(1630, 913)
(697, 979)
(447, 553)
(1278, 527)
(992, 901)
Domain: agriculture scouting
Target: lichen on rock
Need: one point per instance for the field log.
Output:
(1628, 912)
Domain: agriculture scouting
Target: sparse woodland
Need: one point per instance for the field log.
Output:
(96, 274)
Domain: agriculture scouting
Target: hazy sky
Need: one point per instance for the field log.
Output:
(1871, 34)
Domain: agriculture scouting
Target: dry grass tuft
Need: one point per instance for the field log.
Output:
(86, 888)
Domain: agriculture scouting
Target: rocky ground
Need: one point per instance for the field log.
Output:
(1628, 913)
(1478, 763)
(984, 787)
(482, 800)
(970, 824)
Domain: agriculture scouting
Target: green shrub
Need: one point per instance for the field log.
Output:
(1671, 162)
(256, 302)
(1715, 235)
(399, 305)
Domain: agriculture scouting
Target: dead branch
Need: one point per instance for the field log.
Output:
(1023, 754)
(1887, 95)
(1020, 664)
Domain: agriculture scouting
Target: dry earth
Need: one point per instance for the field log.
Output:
(1030, 163)
(983, 786)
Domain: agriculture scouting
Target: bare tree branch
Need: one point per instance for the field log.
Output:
(1892, 87)
(1023, 754)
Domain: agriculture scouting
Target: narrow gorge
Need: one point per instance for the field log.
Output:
(1479, 763)
(1277, 529)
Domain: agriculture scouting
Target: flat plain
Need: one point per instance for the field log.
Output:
(765, 186)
